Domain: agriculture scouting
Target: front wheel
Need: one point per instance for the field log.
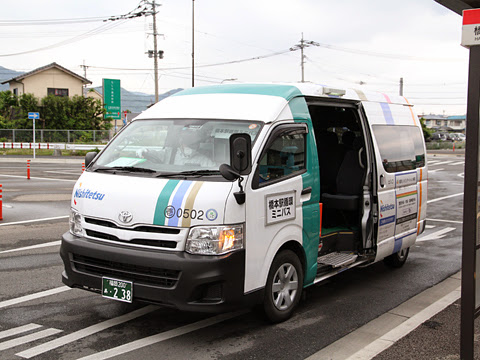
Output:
(398, 259)
(284, 286)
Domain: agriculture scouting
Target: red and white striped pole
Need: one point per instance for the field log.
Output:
(28, 169)
(83, 167)
(1, 203)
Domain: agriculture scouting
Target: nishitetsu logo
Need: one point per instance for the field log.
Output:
(88, 194)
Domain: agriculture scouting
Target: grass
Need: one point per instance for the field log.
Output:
(440, 145)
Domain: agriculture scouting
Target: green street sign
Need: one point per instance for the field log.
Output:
(111, 98)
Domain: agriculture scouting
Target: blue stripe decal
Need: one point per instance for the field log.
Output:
(177, 201)
(387, 113)
(398, 245)
(399, 242)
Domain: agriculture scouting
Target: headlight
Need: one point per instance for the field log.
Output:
(214, 240)
(75, 223)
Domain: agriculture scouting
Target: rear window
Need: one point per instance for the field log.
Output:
(401, 147)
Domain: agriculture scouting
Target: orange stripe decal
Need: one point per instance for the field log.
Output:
(411, 111)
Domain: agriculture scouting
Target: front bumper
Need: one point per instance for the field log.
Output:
(177, 279)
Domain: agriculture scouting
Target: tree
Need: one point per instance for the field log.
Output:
(427, 133)
(8, 101)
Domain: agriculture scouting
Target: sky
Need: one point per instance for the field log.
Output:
(362, 44)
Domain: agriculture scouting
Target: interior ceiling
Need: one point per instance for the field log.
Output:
(459, 5)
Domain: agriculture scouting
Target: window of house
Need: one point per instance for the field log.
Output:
(57, 92)
(401, 147)
(283, 157)
(15, 91)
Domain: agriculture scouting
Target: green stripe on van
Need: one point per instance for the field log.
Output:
(287, 92)
(162, 202)
(310, 209)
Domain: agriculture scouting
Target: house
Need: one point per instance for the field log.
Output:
(455, 123)
(51, 79)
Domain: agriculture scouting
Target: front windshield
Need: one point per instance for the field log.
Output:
(173, 146)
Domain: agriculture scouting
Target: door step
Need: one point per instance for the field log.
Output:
(336, 259)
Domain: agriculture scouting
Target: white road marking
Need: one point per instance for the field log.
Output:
(34, 296)
(436, 170)
(43, 348)
(461, 175)
(35, 220)
(18, 330)
(394, 335)
(71, 172)
(431, 162)
(28, 338)
(443, 162)
(458, 163)
(53, 243)
(443, 198)
(429, 226)
(37, 178)
(436, 235)
(447, 221)
(134, 345)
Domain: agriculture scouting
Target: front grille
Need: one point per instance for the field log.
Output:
(138, 274)
(148, 242)
(141, 228)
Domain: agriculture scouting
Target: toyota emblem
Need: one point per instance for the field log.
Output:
(125, 217)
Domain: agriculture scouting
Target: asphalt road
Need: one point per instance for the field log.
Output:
(71, 324)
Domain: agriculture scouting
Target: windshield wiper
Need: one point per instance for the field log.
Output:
(196, 173)
(124, 168)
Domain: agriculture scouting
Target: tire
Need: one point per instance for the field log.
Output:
(398, 259)
(284, 286)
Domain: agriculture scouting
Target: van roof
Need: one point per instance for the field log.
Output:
(289, 91)
(260, 102)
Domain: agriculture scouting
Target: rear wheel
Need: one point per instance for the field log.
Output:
(398, 259)
(284, 286)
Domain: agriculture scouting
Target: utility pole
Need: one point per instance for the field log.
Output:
(193, 43)
(303, 44)
(155, 57)
(85, 67)
(155, 53)
(401, 86)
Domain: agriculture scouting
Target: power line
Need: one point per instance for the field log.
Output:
(83, 36)
(198, 66)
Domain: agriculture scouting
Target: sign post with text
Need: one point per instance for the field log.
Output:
(112, 99)
(470, 303)
(33, 116)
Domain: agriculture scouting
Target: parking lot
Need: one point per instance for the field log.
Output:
(43, 319)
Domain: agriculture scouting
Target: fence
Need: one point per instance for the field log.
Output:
(55, 136)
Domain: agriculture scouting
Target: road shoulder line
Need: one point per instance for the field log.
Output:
(382, 332)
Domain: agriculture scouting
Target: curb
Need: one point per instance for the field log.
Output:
(379, 334)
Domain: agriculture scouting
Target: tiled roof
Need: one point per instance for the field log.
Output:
(46, 67)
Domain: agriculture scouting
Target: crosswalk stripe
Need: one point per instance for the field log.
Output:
(28, 338)
(18, 330)
(150, 340)
(33, 296)
(432, 171)
(56, 343)
(443, 162)
(458, 163)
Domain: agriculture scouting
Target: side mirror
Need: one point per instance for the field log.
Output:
(89, 157)
(241, 153)
(240, 162)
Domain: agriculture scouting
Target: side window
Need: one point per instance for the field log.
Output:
(401, 147)
(283, 157)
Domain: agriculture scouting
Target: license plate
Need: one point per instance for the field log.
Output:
(120, 290)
